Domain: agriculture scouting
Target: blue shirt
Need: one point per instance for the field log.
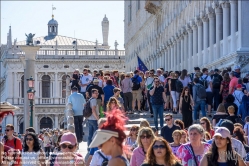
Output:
(157, 97)
(78, 101)
(108, 92)
(137, 78)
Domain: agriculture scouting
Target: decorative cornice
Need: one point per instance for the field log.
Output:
(198, 21)
(210, 12)
(217, 7)
(242, 59)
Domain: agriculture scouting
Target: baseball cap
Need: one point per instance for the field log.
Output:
(101, 137)
(239, 86)
(222, 132)
(68, 138)
(227, 124)
(236, 67)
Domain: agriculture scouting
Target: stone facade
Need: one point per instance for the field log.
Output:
(180, 35)
(57, 57)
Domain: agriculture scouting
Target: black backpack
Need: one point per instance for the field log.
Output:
(105, 160)
(204, 82)
(201, 92)
(136, 84)
(87, 111)
(179, 86)
(216, 82)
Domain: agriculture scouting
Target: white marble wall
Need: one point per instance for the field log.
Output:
(185, 34)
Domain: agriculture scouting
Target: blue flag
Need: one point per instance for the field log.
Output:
(141, 65)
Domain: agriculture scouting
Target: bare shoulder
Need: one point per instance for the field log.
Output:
(116, 161)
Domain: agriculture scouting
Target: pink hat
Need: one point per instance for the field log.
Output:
(239, 86)
(222, 132)
(68, 138)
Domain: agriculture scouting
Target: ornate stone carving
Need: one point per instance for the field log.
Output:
(210, 12)
(198, 21)
(242, 60)
(153, 7)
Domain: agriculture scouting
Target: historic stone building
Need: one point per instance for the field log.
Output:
(57, 57)
(180, 35)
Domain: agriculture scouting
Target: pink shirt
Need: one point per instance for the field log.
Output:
(137, 157)
(233, 83)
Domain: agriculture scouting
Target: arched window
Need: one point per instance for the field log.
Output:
(45, 86)
(22, 86)
(63, 87)
(46, 122)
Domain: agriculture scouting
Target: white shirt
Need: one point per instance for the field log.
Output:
(208, 81)
(149, 81)
(185, 81)
(238, 147)
(97, 159)
(85, 79)
(100, 83)
(161, 78)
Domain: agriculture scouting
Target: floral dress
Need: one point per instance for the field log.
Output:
(225, 90)
(186, 155)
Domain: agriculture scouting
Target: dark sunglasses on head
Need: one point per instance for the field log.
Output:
(29, 139)
(167, 119)
(159, 147)
(64, 146)
(145, 136)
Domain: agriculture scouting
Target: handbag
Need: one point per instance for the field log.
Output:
(196, 163)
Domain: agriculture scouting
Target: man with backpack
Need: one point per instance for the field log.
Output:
(77, 100)
(14, 143)
(216, 82)
(206, 81)
(136, 90)
(199, 97)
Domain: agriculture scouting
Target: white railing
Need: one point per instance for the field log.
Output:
(39, 101)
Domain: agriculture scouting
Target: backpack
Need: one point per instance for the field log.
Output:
(87, 111)
(204, 82)
(201, 92)
(136, 84)
(216, 82)
(105, 160)
(179, 86)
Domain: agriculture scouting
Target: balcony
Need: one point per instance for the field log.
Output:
(39, 101)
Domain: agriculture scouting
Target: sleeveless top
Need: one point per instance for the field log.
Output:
(125, 160)
(30, 158)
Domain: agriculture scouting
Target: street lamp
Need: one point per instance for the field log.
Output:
(31, 97)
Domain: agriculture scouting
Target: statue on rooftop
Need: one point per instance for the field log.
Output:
(29, 40)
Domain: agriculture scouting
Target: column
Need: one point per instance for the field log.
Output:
(36, 124)
(172, 55)
(185, 56)
(169, 56)
(190, 48)
(226, 26)
(175, 54)
(36, 88)
(234, 23)
(15, 123)
(9, 86)
(210, 13)
(200, 40)
(56, 121)
(182, 48)
(195, 38)
(178, 52)
(165, 59)
(15, 88)
(243, 26)
(205, 38)
(218, 15)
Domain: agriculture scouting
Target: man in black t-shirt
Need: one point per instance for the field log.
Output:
(100, 99)
(167, 131)
(216, 82)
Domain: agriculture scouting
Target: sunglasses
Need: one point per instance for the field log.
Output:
(29, 139)
(159, 147)
(145, 136)
(133, 129)
(7, 130)
(64, 146)
(202, 123)
(167, 119)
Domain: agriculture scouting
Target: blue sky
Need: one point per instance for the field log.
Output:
(82, 18)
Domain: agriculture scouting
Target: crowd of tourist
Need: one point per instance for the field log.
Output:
(219, 136)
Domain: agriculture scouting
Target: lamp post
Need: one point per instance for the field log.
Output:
(31, 97)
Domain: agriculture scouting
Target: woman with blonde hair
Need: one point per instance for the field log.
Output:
(184, 137)
(113, 104)
(160, 153)
(144, 123)
(177, 134)
(173, 92)
(220, 114)
(145, 138)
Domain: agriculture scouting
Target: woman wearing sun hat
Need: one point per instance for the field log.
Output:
(69, 157)
(110, 138)
(221, 152)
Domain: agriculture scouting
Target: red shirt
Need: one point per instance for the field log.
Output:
(233, 83)
(17, 146)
